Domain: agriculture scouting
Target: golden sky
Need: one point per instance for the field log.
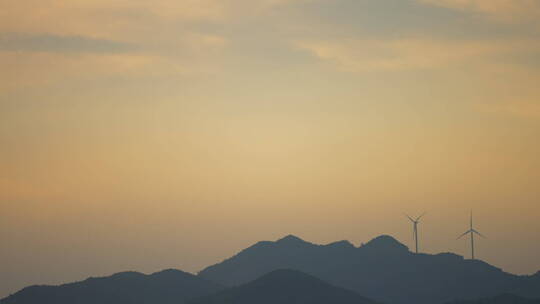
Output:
(142, 135)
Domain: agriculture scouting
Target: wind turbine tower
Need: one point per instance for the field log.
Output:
(472, 232)
(415, 228)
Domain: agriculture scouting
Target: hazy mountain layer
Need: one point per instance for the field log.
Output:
(166, 287)
(285, 287)
(500, 299)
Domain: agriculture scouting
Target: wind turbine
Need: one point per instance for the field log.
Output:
(415, 228)
(471, 231)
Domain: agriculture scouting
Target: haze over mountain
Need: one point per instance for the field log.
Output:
(500, 299)
(383, 269)
(285, 287)
(165, 287)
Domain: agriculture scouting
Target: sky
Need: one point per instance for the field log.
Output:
(144, 135)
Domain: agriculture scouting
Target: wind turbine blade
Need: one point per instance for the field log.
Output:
(464, 234)
(418, 218)
(410, 218)
(474, 231)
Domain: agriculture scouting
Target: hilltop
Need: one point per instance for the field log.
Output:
(285, 287)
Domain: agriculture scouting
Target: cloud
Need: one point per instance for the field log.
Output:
(113, 19)
(505, 10)
(412, 53)
(37, 60)
(520, 109)
(65, 16)
(61, 44)
(40, 68)
(44, 59)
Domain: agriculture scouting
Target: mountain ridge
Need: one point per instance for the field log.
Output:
(129, 287)
(382, 269)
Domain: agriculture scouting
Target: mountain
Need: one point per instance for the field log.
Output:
(500, 299)
(285, 287)
(383, 269)
(168, 286)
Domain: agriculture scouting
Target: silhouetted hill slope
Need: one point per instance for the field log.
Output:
(500, 299)
(382, 269)
(285, 287)
(169, 286)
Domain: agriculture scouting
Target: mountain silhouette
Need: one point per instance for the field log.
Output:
(383, 269)
(500, 299)
(168, 286)
(285, 287)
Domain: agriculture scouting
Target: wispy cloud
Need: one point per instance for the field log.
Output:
(31, 59)
(413, 53)
(123, 18)
(61, 44)
(519, 109)
(505, 10)
(43, 68)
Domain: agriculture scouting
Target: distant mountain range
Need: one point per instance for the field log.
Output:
(165, 287)
(383, 269)
(285, 287)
